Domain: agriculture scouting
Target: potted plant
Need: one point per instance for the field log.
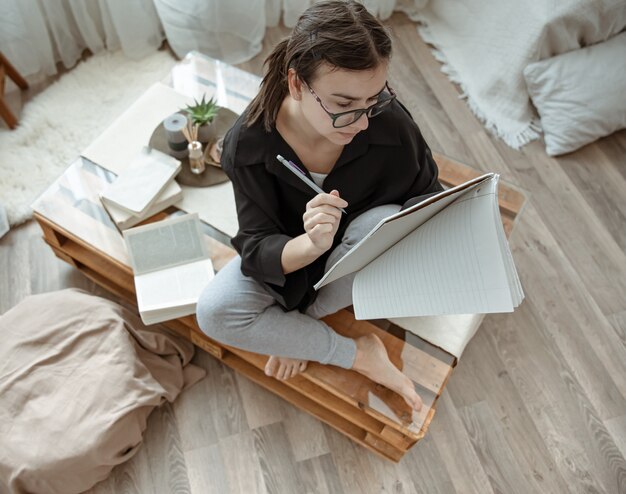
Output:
(202, 114)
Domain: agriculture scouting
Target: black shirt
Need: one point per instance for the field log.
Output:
(389, 162)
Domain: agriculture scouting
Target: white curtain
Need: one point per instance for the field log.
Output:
(36, 34)
(233, 30)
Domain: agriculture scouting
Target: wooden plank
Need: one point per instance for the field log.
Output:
(492, 448)
(342, 425)
(429, 418)
(392, 436)
(206, 344)
(423, 369)
(383, 446)
(353, 389)
(452, 173)
(319, 475)
(318, 394)
(2, 81)
(62, 235)
(101, 265)
(62, 255)
(452, 441)
(6, 114)
(12, 72)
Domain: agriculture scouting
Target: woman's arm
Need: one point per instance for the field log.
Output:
(321, 221)
(268, 255)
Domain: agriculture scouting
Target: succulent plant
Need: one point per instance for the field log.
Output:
(202, 112)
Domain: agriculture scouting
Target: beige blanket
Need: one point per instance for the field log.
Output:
(486, 44)
(79, 376)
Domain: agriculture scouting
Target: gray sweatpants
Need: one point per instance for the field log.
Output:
(236, 311)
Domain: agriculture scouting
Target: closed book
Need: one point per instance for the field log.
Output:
(123, 219)
(139, 185)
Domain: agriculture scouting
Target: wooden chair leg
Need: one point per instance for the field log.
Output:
(13, 73)
(7, 114)
(7, 68)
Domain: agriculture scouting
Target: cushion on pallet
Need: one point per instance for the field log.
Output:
(452, 333)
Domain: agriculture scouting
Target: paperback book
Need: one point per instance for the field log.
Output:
(142, 183)
(171, 267)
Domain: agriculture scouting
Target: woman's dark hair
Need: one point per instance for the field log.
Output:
(341, 33)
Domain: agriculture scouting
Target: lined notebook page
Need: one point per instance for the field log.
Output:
(455, 263)
(392, 229)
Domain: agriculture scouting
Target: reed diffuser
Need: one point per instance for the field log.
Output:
(196, 155)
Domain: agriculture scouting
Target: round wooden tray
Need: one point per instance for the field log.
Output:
(213, 174)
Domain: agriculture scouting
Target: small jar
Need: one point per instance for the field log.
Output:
(176, 141)
(196, 157)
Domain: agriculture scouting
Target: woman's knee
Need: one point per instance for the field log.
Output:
(212, 313)
(363, 224)
(226, 315)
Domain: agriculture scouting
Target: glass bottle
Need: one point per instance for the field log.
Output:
(196, 157)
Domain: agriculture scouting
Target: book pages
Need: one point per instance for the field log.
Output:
(165, 244)
(455, 263)
(171, 267)
(173, 287)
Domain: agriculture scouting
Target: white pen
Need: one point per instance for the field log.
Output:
(295, 169)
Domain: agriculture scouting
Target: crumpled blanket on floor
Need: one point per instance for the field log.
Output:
(79, 376)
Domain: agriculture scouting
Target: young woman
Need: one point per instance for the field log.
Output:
(326, 105)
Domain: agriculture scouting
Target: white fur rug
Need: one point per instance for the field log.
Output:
(57, 124)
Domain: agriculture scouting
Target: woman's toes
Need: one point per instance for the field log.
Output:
(283, 373)
(417, 403)
(271, 366)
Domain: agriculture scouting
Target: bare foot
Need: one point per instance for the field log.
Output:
(372, 361)
(284, 368)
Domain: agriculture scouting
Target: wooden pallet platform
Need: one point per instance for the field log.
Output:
(368, 413)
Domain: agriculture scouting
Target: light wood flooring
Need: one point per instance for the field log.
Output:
(537, 404)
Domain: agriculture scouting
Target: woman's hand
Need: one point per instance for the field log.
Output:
(321, 219)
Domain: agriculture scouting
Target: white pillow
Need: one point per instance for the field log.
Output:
(580, 95)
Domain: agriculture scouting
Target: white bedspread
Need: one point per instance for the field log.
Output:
(485, 45)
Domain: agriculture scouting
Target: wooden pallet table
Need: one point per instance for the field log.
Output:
(78, 230)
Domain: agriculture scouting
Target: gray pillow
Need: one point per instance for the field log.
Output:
(580, 95)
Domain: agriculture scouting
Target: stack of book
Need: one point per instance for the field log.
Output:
(143, 189)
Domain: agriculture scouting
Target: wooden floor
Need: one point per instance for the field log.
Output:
(537, 404)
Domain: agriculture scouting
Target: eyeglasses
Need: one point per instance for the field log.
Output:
(346, 118)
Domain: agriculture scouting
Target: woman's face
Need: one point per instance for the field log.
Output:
(341, 90)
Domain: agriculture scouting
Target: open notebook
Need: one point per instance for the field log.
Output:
(171, 267)
(445, 255)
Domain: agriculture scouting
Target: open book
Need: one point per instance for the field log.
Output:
(445, 255)
(171, 267)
